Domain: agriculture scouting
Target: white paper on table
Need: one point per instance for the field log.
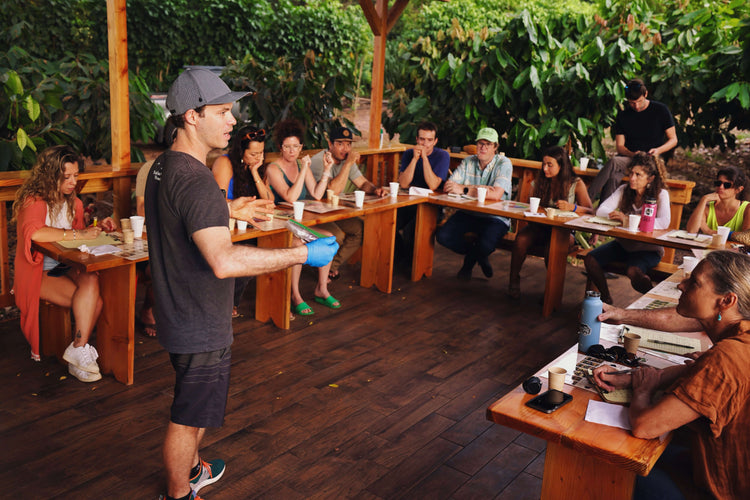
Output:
(418, 191)
(567, 360)
(667, 289)
(534, 214)
(100, 250)
(581, 222)
(612, 415)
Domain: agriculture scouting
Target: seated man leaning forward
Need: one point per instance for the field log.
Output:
(486, 169)
(346, 178)
(710, 396)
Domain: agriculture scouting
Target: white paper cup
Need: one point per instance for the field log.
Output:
(481, 194)
(394, 189)
(551, 212)
(241, 225)
(329, 194)
(556, 377)
(534, 204)
(359, 198)
(724, 232)
(335, 200)
(128, 236)
(631, 341)
(136, 222)
(125, 223)
(232, 222)
(299, 210)
(689, 263)
(584, 163)
(634, 220)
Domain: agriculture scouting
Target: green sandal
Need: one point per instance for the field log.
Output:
(302, 307)
(329, 301)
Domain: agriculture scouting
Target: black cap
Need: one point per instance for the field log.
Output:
(341, 134)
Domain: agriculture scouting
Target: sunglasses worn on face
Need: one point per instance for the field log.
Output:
(727, 185)
(257, 136)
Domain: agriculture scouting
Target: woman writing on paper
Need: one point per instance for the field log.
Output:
(709, 399)
(47, 209)
(291, 179)
(558, 187)
(646, 180)
(726, 206)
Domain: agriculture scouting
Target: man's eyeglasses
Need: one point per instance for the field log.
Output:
(484, 145)
(291, 147)
(727, 185)
(256, 136)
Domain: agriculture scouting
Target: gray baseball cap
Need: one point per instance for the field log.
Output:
(197, 87)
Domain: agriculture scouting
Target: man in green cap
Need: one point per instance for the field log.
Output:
(486, 169)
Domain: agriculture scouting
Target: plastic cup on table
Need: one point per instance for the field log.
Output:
(481, 194)
(556, 377)
(359, 198)
(689, 263)
(723, 231)
(393, 189)
(136, 222)
(634, 220)
(584, 163)
(241, 225)
(534, 204)
(299, 210)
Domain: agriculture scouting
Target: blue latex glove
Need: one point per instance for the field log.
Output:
(321, 251)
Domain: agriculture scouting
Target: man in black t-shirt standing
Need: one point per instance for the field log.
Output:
(644, 125)
(193, 263)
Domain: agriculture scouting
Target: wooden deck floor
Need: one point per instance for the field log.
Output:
(384, 398)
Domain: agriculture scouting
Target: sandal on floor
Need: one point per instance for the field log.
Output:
(149, 329)
(235, 313)
(329, 301)
(334, 275)
(301, 308)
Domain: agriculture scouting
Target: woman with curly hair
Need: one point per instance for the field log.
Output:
(291, 179)
(47, 209)
(647, 176)
(240, 173)
(558, 187)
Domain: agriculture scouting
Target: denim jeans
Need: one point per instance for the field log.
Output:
(489, 232)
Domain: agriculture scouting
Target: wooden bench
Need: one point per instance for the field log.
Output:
(55, 330)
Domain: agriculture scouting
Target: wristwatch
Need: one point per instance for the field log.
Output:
(466, 190)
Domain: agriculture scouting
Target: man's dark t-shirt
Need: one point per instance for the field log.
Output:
(439, 161)
(193, 307)
(644, 130)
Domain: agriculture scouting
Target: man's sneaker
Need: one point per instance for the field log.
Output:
(82, 357)
(83, 375)
(209, 474)
(193, 496)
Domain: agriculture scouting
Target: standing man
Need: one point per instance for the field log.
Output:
(422, 166)
(346, 178)
(492, 171)
(192, 262)
(643, 126)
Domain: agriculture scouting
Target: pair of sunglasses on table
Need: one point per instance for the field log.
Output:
(616, 353)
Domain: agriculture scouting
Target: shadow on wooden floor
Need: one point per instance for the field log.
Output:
(384, 398)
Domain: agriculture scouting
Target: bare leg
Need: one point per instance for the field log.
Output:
(521, 245)
(596, 276)
(638, 280)
(80, 292)
(180, 455)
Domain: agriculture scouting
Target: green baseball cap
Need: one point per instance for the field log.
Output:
(488, 134)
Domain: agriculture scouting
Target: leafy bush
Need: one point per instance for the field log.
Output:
(65, 101)
(543, 83)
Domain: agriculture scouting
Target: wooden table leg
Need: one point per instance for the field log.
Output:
(424, 243)
(273, 290)
(115, 337)
(556, 265)
(569, 474)
(377, 250)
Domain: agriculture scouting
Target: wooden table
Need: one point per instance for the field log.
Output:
(583, 459)
(115, 338)
(558, 246)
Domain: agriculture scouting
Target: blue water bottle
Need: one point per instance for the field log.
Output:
(588, 330)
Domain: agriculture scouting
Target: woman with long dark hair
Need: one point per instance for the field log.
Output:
(726, 206)
(558, 187)
(646, 181)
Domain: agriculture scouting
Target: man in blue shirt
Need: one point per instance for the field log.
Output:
(423, 166)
